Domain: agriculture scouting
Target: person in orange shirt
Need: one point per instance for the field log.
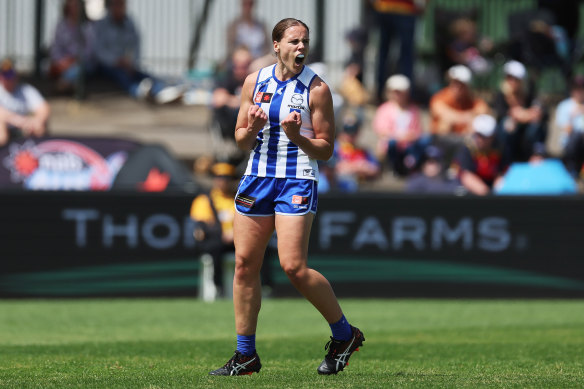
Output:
(454, 107)
(452, 111)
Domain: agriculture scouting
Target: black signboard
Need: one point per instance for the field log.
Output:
(127, 244)
(452, 246)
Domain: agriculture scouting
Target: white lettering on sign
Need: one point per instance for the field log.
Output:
(159, 231)
(487, 234)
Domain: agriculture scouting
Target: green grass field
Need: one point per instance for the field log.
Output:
(173, 343)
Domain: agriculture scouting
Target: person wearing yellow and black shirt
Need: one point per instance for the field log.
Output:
(213, 213)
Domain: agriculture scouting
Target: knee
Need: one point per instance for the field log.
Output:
(245, 270)
(294, 272)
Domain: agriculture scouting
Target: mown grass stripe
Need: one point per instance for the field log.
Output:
(108, 287)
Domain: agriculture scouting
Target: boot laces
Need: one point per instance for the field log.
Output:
(328, 346)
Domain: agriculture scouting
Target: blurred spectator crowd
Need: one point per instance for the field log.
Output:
(455, 139)
(459, 138)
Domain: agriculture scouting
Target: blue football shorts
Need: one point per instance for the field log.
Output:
(266, 196)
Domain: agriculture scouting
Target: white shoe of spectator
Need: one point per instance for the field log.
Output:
(169, 94)
(144, 88)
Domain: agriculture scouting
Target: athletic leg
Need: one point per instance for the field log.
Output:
(251, 236)
(293, 233)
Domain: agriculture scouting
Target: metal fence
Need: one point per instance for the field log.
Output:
(167, 28)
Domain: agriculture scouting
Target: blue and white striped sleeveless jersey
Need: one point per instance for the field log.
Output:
(273, 154)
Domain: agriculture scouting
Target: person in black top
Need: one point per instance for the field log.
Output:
(521, 117)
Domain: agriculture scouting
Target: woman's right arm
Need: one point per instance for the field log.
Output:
(251, 118)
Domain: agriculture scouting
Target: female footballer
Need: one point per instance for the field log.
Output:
(286, 120)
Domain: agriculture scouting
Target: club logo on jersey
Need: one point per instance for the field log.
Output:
(299, 200)
(263, 97)
(308, 173)
(297, 99)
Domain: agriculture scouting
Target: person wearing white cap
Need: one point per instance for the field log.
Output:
(478, 163)
(398, 126)
(521, 116)
(24, 112)
(453, 108)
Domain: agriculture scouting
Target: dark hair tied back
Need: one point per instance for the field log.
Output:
(283, 25)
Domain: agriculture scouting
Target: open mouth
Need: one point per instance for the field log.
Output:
(299, 59)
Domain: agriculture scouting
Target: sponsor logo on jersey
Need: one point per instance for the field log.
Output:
(263, 97)
(297, 99)
(308, 173)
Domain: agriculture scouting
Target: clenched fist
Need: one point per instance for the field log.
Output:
(256, 117)
(291, 125)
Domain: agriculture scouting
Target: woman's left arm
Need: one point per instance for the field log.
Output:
(323, 123)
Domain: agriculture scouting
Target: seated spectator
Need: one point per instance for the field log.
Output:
(72, 50)
(570, 120)
(23, 110)
(398, 125)
(566, 27)
(538, 42)
(247, 31)
(357, 39)
(353, 164)
(522, 118)
(226, 97)
(216, 211)
(351, 88)
(453, 109)
(466, 48)
(478, 164)
(225, 101)
(432, 178)
(118, 52)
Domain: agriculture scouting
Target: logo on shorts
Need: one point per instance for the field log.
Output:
(299, 200)
(308, 173)
(245, 201)
(263, 97)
